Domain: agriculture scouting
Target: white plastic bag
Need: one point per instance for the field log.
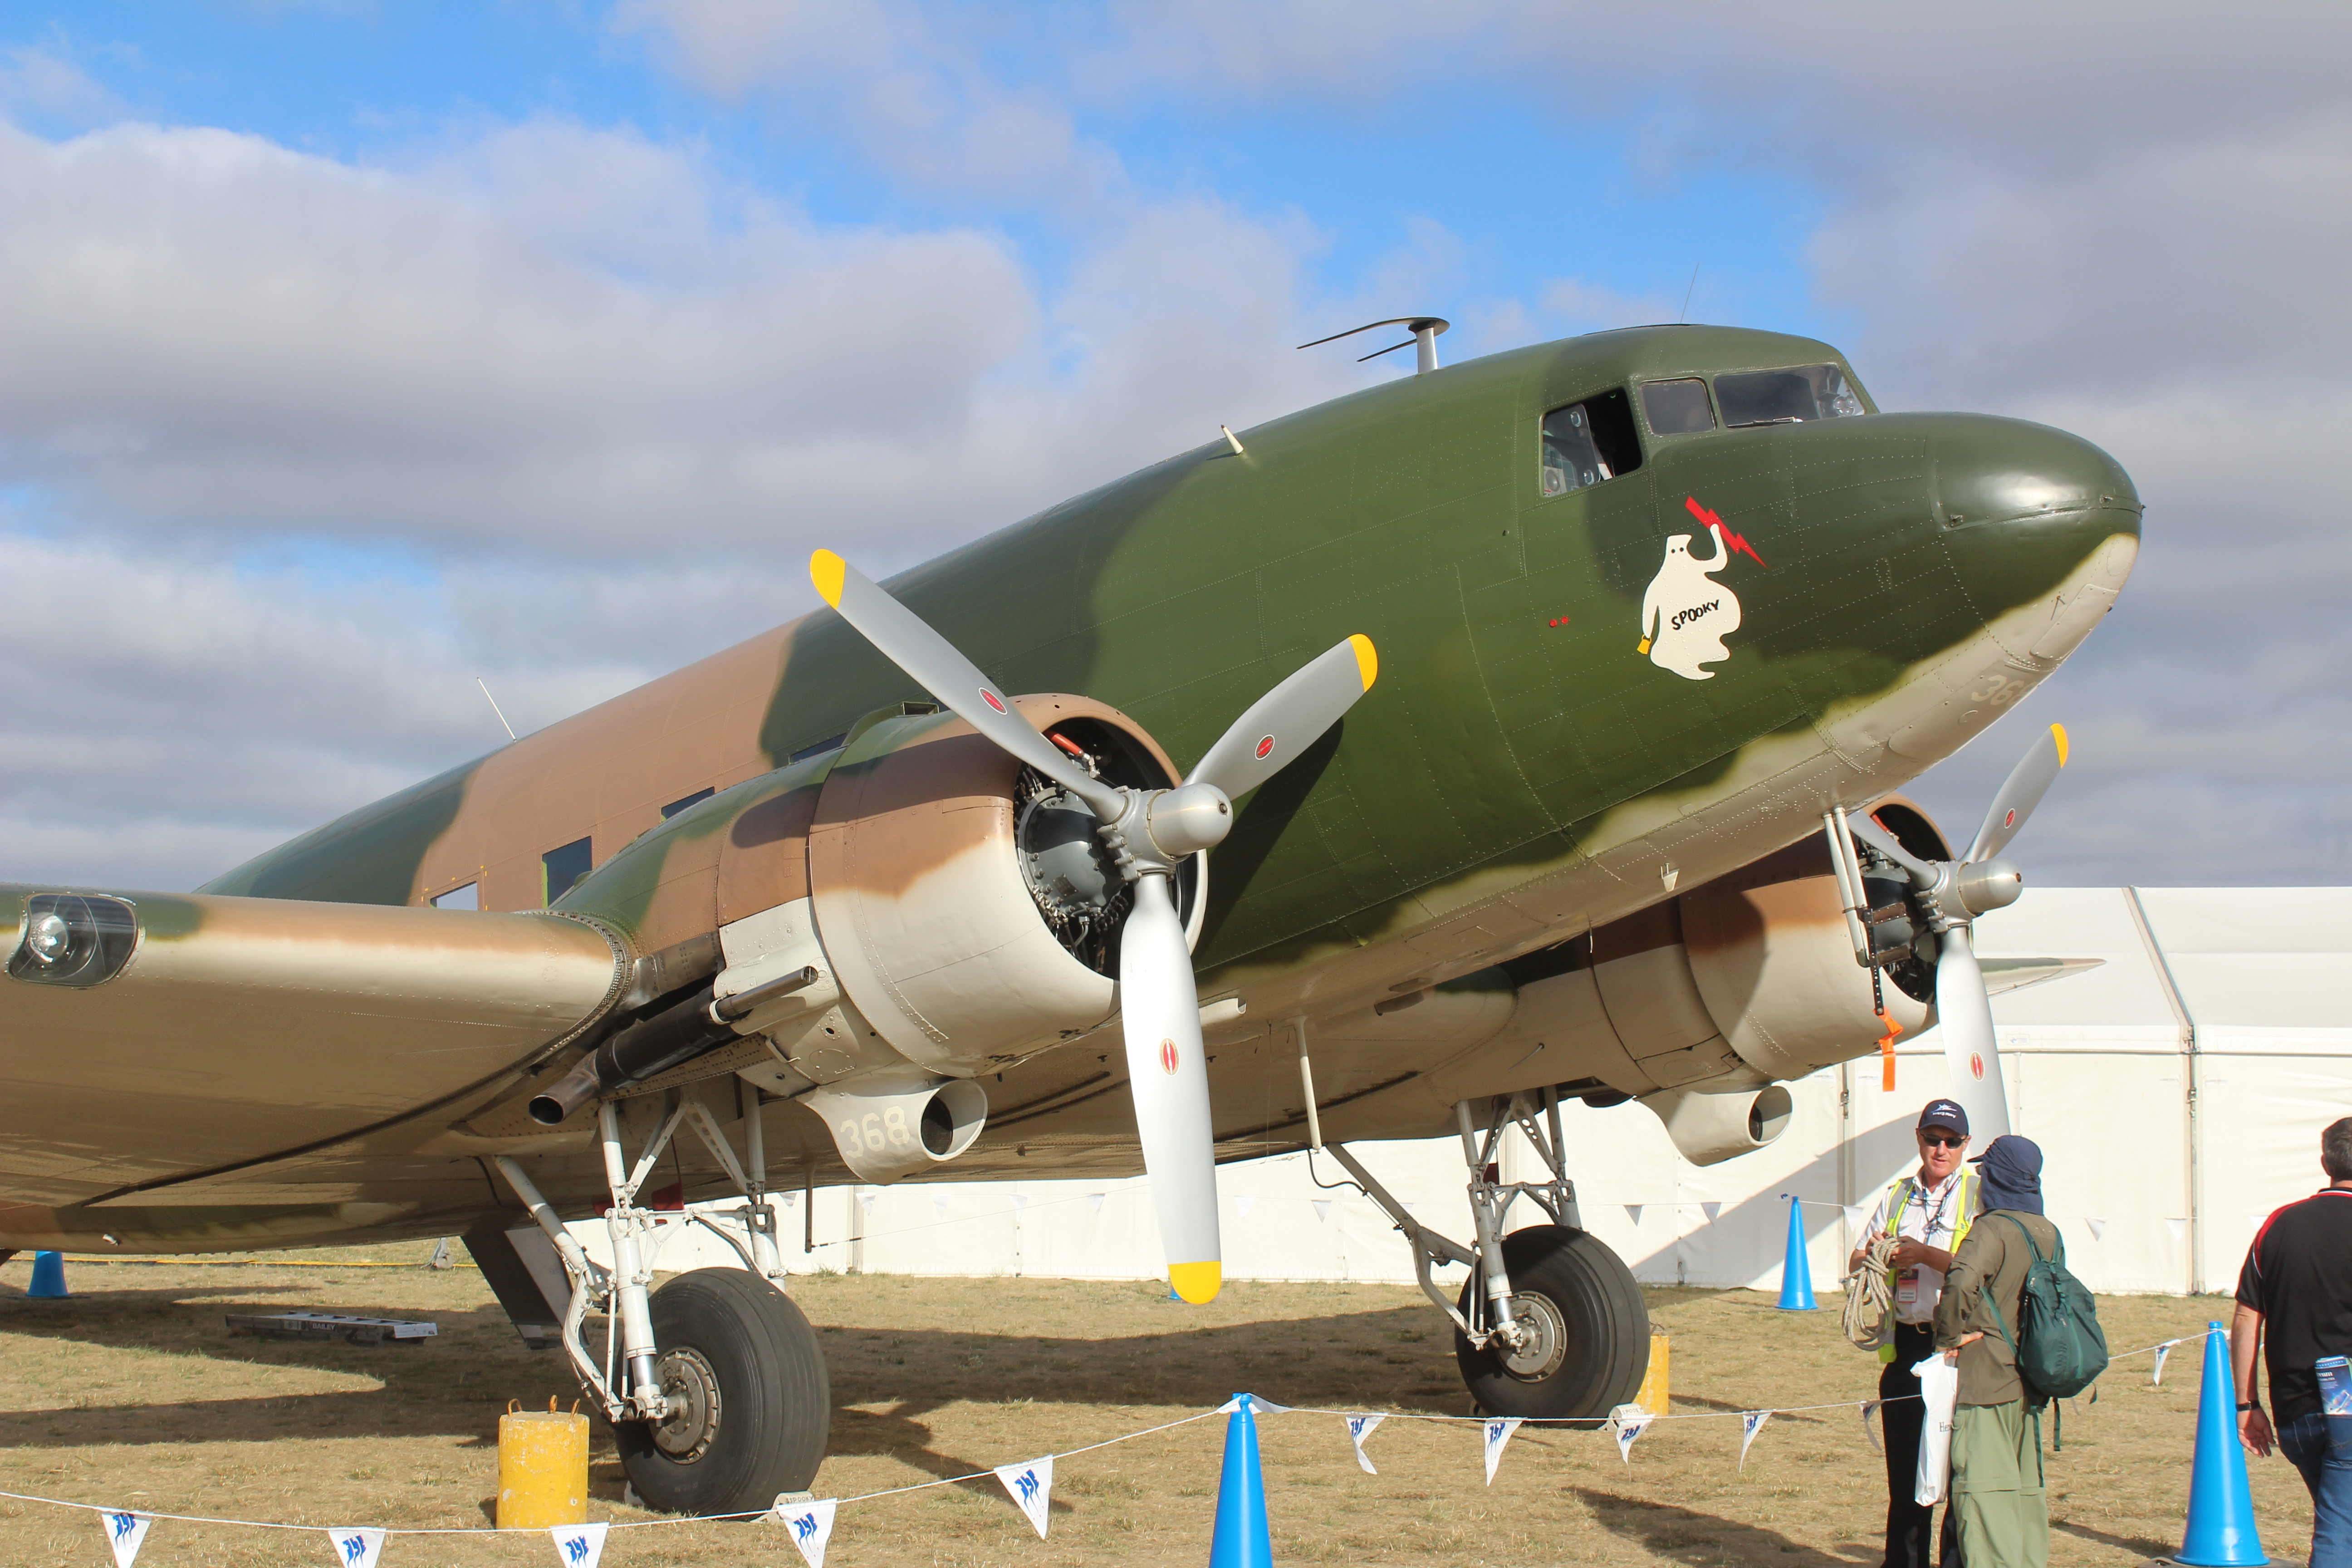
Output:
(1939, 1390)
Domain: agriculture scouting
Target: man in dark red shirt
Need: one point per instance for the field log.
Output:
(2294, 1296)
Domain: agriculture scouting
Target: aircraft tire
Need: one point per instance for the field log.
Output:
(760, 1402)
(1593, 1331)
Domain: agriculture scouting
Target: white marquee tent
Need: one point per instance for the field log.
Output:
(2177, 1090)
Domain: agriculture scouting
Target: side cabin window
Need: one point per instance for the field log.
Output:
(468, 897)
(1678, 407)
(1587, 442)
(563, 867)
(684, 801)
(1785, 397)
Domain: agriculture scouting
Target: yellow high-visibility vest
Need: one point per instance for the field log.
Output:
(1909, 1187)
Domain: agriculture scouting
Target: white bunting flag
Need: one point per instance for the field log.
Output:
(1869, 1431)
(578, 1546)
(1020, 1202)
(1096, 1199)
(1031, 1486)
(1322, 1209)
(939, 1204)
(1634, 1213)
(1244, 1203)
(1412, 1208)
(811, 1524)
(1751, 1423)
(2179, 1229)
(1359, 1429)
(792, 1200)
(865, 1202)
(1630, 1421)
(1259, 1404)
(124, 1531)
(1711, 1210)
(2098, 1227)
(2157, 1379)
(356, 1546)
(1499, 1436)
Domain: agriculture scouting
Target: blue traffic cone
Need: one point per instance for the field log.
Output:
(1797, 1269)
(1241, 1539)
(48, 1277)
(2220, 1509)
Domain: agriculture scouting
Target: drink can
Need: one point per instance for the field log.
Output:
(2335, 1385)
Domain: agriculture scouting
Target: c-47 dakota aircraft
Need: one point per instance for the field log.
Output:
(1519, 730)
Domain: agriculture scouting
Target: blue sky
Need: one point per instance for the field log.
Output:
(355, 348)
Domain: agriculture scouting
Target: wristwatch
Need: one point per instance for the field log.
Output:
(2245, 1406)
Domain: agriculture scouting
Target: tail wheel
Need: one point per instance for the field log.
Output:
(1588, 1331)
(754, 1405)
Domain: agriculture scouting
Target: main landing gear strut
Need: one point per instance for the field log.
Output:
(715, 1385)
(1549, 1326)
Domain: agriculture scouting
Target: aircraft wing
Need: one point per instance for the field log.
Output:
(150, 1037)
(2015, 974)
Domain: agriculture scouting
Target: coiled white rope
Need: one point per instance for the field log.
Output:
(1870, 1291)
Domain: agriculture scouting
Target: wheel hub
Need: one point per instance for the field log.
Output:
(1543, 1339)
(691, 1388)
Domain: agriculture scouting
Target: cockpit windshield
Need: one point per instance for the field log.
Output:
(1784, 396)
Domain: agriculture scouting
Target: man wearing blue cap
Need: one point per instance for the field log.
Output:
(1997, 1482)
(1925, 1215)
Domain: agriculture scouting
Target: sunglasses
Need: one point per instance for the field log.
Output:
(1942, 1140)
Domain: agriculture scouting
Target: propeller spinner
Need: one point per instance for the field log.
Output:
(1147, 833)
(1949, 895)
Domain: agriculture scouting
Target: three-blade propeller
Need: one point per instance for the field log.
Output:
(1950, 894)
(1148, 833)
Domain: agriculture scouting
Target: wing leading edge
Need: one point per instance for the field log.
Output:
(169, 1035)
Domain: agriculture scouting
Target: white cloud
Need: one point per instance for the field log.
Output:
(42, 86)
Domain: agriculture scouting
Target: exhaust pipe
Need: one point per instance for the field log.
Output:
(677, 1033)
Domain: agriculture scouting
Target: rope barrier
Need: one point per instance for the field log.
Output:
(982, 1475)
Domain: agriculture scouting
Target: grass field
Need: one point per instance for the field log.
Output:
(133, 1394)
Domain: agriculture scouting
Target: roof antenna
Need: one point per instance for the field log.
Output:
(1424, 331)
(497, 710)
(1684, 317)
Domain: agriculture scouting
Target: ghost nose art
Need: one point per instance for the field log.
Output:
(2044, 528)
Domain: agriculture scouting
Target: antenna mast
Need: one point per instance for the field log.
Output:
(1424, 331)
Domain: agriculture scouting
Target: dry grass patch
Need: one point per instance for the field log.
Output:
(134, 1395)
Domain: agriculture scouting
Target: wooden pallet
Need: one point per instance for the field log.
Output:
(329, 1326)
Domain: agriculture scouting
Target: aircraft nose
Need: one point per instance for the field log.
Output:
(2042, 526)
(2019, 477)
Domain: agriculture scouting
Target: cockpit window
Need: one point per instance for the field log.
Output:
(1784, 396)
(1678, 407)
(1587, 442)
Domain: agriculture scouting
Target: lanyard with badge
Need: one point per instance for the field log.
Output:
(1907, 1283)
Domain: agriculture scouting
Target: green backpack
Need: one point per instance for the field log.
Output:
(2059, 1346)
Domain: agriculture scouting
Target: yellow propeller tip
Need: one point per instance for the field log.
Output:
(2059, 733)
(1368, 662)
(1197, 1282)
(827, 571)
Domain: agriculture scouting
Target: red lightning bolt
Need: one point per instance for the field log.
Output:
(1730, 535)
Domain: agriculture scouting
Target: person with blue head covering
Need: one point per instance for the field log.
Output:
(1997, 1482)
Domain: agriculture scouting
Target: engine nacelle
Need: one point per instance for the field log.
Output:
(1699, 1003)
(965, 906)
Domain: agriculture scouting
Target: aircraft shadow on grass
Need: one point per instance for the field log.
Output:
(1669, 1530)
(457, 1384)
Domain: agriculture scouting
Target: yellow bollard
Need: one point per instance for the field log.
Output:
(542, 1467)
(1652, 1397)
